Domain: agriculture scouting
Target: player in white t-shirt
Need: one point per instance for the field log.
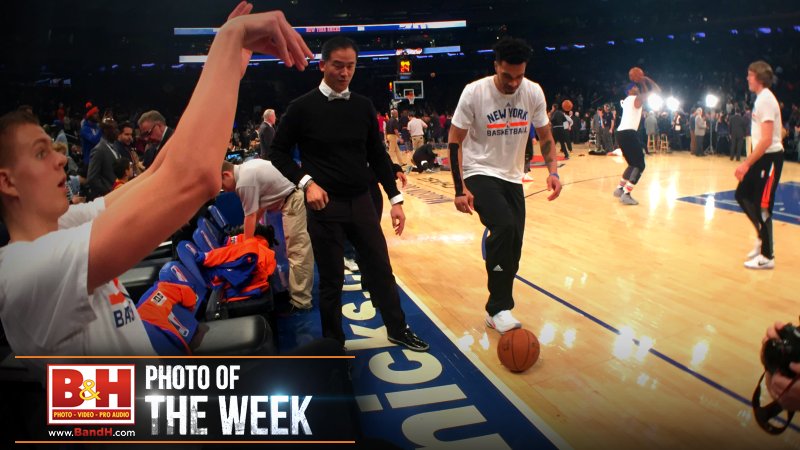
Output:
(760, 173)
(59, 293)
(487, 142)
(261, 187)
(628, 140)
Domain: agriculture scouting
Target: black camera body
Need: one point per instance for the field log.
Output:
(777, 354)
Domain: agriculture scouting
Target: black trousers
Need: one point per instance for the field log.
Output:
(418, 160)
(561, 136)
(501, 208)
(737, 148)
(756, 195)
(605, 140)
(633, 153)
(356, 220)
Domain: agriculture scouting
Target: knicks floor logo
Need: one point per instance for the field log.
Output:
(90, 394)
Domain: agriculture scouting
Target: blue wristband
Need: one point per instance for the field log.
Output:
(555, 175)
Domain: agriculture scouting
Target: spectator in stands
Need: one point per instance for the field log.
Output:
(738, 131)
(155, 131)
(101, 166)
(404, 118)
(723, 135)
(123, 147)
(266, 132)
(748, 141)
(123, 170)
(606, 126)
(442, 127)
(663, 125)
(700, 126)
(71, 167)
(90, 131)
(58, 276)
(597, 125)
(381, 125)
(392, 136)
(560, 121)
(651, 129)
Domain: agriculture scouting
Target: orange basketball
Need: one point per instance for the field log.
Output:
(636, 74)
(518, 349)
(566, 105)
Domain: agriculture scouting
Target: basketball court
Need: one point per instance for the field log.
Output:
(650, 326)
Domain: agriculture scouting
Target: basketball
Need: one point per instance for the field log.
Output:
(518, 350)
(566, 105)
(636, 74)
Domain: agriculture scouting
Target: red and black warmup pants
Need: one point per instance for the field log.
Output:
(756, 196)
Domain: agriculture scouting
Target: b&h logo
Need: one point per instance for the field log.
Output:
(90, 394)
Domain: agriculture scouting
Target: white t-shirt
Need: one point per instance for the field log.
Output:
(259, 184)
(44, 303)
(498, 127)
(766, 109)
(631, 115)
(416, 126)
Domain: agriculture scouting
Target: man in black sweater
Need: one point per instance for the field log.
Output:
(738, 126)
(341, 153)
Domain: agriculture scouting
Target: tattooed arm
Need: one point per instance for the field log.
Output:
(548, 146)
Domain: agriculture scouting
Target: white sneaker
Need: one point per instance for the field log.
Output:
(527, 178)
(502, 321)
(350, 264)
(760, 262)
(618, 192)
(626, 199)
(756, 250)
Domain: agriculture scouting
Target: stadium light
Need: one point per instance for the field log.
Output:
(711, 101)
(673, 103)
(655, 102)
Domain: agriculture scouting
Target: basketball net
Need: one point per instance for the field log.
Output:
(410, 98)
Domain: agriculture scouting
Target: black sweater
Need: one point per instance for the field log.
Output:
(339, 144)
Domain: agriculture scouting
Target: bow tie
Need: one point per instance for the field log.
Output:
(338, 96)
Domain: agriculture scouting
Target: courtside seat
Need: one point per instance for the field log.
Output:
(203, 241)
(237, 336)
(222, 310)
(175, 271)
(142, 276)
(219, 219)
(164, 250)
(213, 233)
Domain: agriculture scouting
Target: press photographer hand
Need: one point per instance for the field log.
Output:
(777, 383)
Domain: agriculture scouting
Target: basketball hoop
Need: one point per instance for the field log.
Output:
(409, 93)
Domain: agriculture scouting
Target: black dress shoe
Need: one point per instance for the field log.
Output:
(410, 340)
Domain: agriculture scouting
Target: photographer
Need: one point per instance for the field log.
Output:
(777, 383)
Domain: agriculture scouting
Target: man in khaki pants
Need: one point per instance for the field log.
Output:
(392, 134)
(416, 128)
(261, 187)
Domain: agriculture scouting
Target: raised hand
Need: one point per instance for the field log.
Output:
(270, 33)
(243, 9)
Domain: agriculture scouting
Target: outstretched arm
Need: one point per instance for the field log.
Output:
(160, 203)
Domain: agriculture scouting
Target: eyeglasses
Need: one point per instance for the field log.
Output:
(146, 134)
